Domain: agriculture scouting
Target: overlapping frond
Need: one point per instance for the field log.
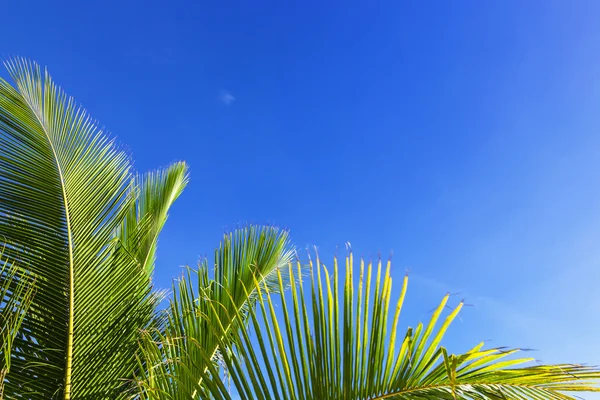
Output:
(327, 342)
(189, 347)
(65, 190)
(16, 292)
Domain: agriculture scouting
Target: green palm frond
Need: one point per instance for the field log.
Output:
(332, 342)
(65, 192)
(154, 192)
(188, 347)
(16, 292)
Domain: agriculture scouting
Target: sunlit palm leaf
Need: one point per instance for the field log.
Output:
(178, 357)
(318, 343)
(65, 192)
(155, 192)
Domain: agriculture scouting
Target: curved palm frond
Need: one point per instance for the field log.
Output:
(323, 344)
(154, 192)
(65, 192)
(178, 357)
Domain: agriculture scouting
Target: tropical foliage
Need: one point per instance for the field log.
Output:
(187, 349)
(327, 340)
(85, 227)
(16, 291)
(80, 318)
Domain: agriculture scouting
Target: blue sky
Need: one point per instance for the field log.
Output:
(461, 135)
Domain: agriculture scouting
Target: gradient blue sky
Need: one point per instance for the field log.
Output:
(463, 135)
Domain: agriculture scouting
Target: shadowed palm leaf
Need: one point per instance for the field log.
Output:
(16, 291)
(72, 213)
(323, 344)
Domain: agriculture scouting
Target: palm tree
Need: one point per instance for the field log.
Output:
(85, 227)
(80, 317)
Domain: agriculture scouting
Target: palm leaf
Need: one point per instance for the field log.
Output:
(154, 192)
(16, 291)
(315, 343)
(65, 192)
(178, 357)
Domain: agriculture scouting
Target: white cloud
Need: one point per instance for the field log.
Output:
(227, 98)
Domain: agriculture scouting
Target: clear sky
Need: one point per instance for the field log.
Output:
(462, 135)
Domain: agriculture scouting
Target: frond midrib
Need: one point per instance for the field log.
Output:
(458, 385)
(214, 353)
(69, 355)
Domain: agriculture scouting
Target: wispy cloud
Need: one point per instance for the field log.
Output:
(516, 321)
(227, 98)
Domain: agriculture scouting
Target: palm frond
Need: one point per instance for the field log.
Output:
(16, 292)
(177, 358)
(323, 344)
(154, 193)
(65, 190)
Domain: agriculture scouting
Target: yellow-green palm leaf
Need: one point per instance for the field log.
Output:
(177, 357)
(328, 340)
